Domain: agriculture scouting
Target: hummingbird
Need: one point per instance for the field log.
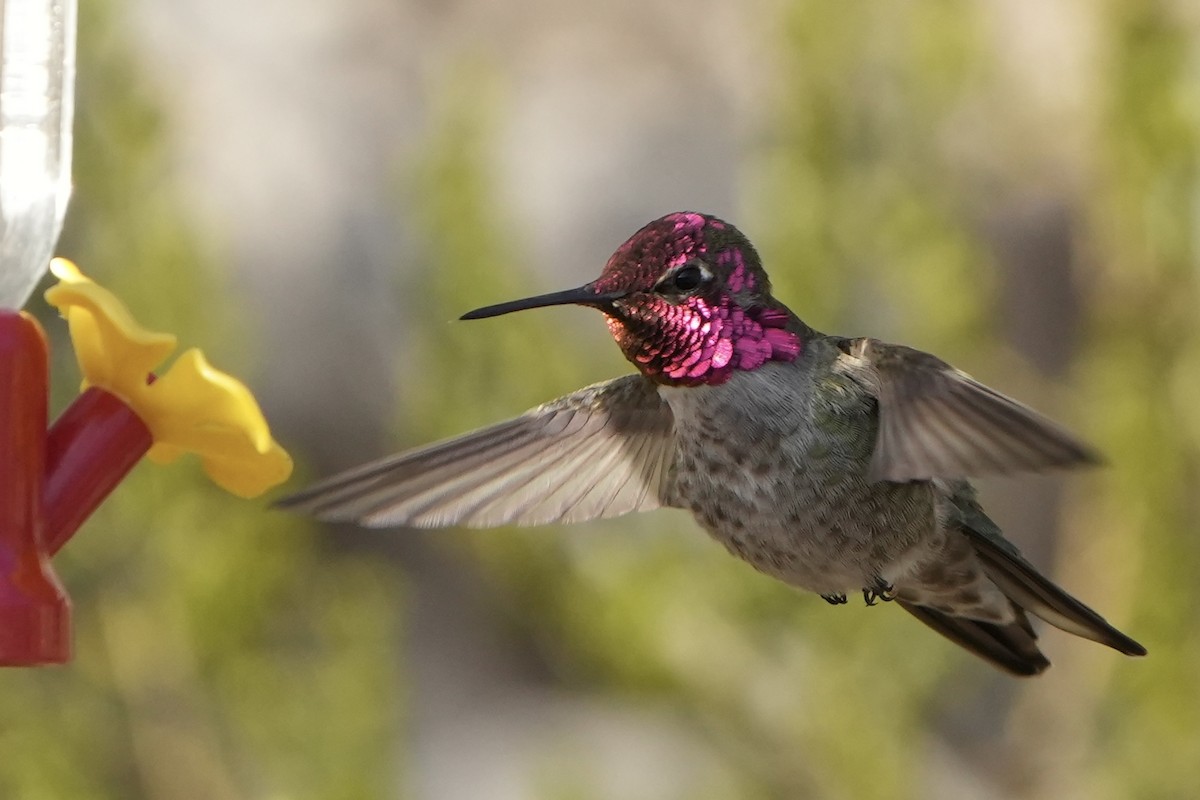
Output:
(836, 465)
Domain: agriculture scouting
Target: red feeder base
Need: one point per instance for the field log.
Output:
(35, 623)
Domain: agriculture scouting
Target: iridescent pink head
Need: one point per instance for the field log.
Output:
(688, 302)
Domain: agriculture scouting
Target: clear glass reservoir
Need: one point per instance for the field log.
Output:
(37, 99)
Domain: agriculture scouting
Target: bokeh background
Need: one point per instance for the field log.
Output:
(313, 190)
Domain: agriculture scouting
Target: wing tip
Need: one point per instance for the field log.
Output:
(291, 502)
(1090, 456)
(321, 505)
(1124, 644)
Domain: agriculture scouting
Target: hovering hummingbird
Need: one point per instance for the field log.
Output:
(834, 464)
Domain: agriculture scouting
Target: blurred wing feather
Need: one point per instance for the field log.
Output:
(938, 422)
(603, 451)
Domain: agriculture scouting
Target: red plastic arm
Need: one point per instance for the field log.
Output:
(90, 449)
(34, 610)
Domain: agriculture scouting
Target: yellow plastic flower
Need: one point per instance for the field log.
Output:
(189, 408)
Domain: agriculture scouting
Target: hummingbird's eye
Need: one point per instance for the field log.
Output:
(687, 278)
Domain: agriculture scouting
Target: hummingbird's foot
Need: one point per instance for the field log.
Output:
(834, 599)
(880, 590)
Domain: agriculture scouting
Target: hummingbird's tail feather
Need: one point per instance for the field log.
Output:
(1030, 590)
(1012, 647)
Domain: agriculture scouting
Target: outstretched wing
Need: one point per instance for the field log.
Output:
(602, 451)
(938, 422)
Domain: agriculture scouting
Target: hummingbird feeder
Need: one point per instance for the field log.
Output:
(53, 478)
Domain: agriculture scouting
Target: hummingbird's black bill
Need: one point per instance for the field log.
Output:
(583, 296)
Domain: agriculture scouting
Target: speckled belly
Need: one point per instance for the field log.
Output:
(821, 532)
(788, 496)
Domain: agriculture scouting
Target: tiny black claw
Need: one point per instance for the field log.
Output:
(834, 599)
(879, 591)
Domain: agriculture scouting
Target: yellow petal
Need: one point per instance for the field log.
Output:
(196, 408)
(250, 477)
(114, 351)
(192, 407)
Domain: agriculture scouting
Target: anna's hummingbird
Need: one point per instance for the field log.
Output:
(833, 464)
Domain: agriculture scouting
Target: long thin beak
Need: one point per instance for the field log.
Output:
(583, 296)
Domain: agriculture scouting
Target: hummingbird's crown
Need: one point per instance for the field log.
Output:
(672, 241)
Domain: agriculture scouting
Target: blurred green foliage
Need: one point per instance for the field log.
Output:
(219, 652)
(1143, 360)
